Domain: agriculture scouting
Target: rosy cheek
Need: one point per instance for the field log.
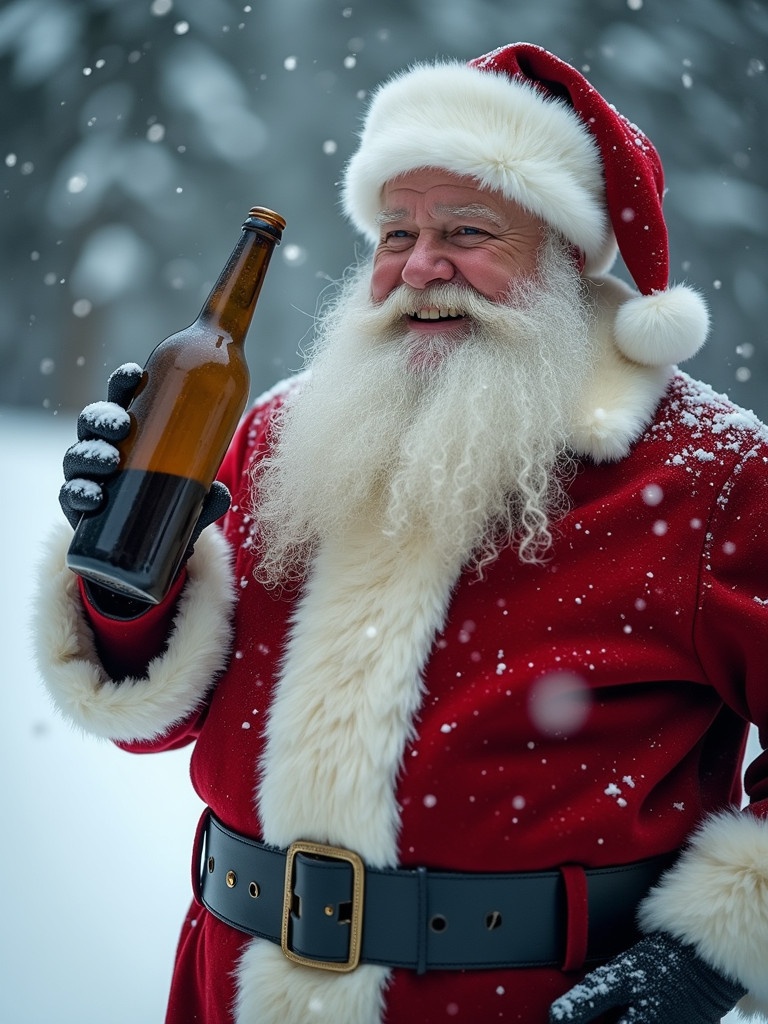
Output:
(384, 278)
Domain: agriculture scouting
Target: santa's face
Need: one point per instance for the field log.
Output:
(461, 441)
(437, 228)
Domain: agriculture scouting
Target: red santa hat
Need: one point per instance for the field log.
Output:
(525, 123)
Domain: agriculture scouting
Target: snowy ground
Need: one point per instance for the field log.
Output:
(94, 856)
(95, 845)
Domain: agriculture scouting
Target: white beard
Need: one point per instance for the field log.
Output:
(463, 445)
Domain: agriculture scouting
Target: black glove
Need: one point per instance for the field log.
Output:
(658, 981)
(100, 426)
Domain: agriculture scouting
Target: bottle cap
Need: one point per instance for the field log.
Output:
(262, 219)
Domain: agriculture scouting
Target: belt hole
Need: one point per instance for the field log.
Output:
(493, 920)
(345, 912)
(211, 863)
(438, 923)
(231, 879)
(254, 890)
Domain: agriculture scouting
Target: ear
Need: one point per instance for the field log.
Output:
(579, 258)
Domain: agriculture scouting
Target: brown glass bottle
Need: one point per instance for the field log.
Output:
(185, 410)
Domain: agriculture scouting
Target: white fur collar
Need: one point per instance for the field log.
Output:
(623, 396)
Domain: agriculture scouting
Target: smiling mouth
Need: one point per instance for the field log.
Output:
(434, 313)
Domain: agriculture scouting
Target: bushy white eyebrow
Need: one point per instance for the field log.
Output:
(388, 216)
(473, 210)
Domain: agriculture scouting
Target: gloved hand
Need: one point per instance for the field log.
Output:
(100, 426)
(657, 981)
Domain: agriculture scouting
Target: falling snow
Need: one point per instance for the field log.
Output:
(50, 754)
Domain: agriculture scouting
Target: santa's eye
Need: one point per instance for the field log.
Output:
(469, 233)
(396, 239)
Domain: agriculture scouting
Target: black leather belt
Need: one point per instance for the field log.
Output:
(328, 910)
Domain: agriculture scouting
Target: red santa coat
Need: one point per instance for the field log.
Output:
(413, 716)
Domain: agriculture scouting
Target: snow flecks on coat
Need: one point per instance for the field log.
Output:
(715, 426)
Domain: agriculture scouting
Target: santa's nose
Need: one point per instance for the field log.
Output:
(427, 264)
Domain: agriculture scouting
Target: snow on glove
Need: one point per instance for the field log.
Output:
(658, 981)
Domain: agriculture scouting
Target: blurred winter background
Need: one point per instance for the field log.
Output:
(135, 136)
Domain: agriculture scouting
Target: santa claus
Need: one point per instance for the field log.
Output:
(470, 660)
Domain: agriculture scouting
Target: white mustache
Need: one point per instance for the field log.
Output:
(404, 300)
(516, 312)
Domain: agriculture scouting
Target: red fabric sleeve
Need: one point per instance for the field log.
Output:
(126, 646)
(732, 623)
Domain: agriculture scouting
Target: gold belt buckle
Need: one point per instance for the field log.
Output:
(356, 917)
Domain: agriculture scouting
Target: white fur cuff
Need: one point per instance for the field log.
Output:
(716, 899)
(176, 681)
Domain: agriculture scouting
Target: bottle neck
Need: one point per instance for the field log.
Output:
(232, 301)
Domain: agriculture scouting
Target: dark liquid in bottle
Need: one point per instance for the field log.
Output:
(137, 531)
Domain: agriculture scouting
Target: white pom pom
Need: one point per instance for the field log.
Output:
(664, 328)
